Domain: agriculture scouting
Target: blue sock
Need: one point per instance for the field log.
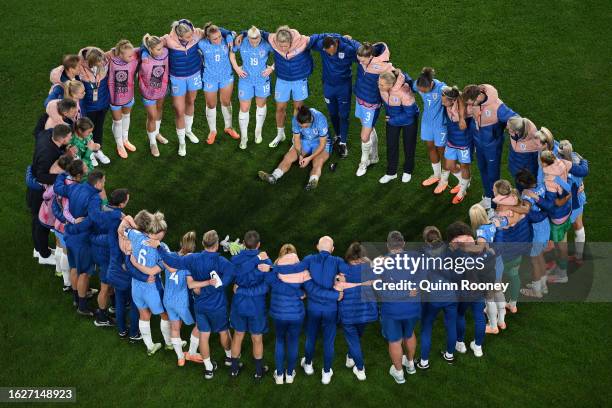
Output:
(82, 303)
(259, 366)
(235, 364)
(75, 296)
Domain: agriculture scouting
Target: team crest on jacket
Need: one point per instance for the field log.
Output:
(262, 54)
(434, 96)
(395, 99)
(341, 55)
(487, 113)
(523, 146)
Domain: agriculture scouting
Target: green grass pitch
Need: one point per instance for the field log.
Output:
(550, 61)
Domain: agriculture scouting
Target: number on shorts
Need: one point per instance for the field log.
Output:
(141, 256)
(266, 88)
(368, 115)
(464, 154)
(174, 277)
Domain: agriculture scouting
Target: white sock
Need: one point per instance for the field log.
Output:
(151, 136)
(579, 241)
(207, 364)
(457, 176)
(444, 176)
(57, 254)
(211, 118)
(278, 173)
(243, 122)
(188, 123)
(177, 343)
(501, 312)
(374, 142)
(194, 342)
(437, 169)
(125, 125)
(260, 117)
(366, 149)
(164, 326)
(118, 131)
(536, 286)
(157, 126)
(463, 183)
(544, 281)
(512, 303)
(226, 111)
(313, 177)
(424, 362)
(145, 331)
(181, 136)
(228, 353)
(65, 268)
(492, 313)
(280, 132)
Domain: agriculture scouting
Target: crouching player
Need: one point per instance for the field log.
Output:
(311, 144)
(210, 275)
(176, 302)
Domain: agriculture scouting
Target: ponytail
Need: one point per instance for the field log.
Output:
(425, 80)
(121, 46)
(366, 50)
(182, 27)
(150, 41)
(451, 92)
(210, 28)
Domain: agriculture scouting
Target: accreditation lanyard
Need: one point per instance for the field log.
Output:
(94, 85)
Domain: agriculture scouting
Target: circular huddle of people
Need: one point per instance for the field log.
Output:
(66, 194)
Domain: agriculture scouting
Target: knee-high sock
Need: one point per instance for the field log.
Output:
(437, 169)
(145, 331)
(188, 123)
(492, 313)
(152, 139)
(65, 268)
(181, 136)
(117, 129)
(177, 343)
(366, 150)
(227, 115)
(374, 142)
(260, 117)
(243, 122)
(500, 300)
(125, 125)
(194, 343)
(157, 126)
(211, 118)
(580, 239)
(164, 326)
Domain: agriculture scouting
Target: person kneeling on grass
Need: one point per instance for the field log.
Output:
(311, 144)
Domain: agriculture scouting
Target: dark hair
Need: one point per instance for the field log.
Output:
(84, 124)
(471, 92)
(395, 240)
(355, 252)
(525, 178)
(457, 229)
(365, 50)
(94, 176)
(118, 196)
(328, 42)
(251, 239)
(304, 115)
(66, 104)
(432, 235)
(64, 161)
(426, 78)
(451, 92)
(75, 168)
(210, 28)
(61, 131)
(70, 61)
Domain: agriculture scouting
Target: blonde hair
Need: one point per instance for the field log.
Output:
(286, 249)
(451, 92)
(284, 35)
(254, 32)
(71, 87)
(478, 216)
(151, 41)
(143, 220)
(365, 50)
(188, 243)
(122, 45)
(158, 223)
(502, 187)
(210, 239)
(566, 149)
(388, 77)
(546, 137)
(182, 27)
(210, 28)
(94, 56)
(517, 124)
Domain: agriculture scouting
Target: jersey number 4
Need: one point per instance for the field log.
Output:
(174, 277)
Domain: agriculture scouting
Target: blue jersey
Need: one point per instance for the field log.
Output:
(316, 130)
(144, 254)
(486, 232)
(176, 293)
(433, 111)
(217, 66)
(254, 61)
